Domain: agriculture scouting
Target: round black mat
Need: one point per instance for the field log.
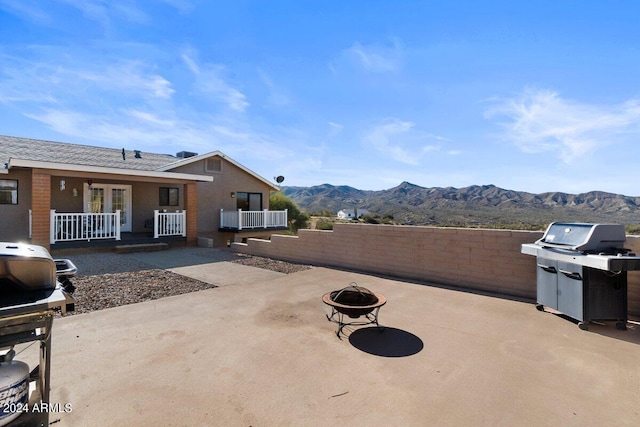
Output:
(387, 342)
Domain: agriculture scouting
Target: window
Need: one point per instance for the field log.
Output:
(169, 196)
(8, 192)
(214, 164)
(249, 201)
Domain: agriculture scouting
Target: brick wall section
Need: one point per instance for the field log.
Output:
(40, 208)
(479, 259)
(191, 206)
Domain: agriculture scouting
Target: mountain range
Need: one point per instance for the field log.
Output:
(473, 206)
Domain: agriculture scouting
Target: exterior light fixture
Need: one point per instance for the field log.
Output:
(62, 185)
(233, 194)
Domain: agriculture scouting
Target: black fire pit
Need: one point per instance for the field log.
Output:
(354, 301)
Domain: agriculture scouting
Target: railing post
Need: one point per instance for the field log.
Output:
(184, 223)
(117, 224)
(156, 223)
(52, 227)
(286, 218)
(264, 219)
(221, 218)
(239, 219)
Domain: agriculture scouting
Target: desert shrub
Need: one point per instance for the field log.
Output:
(296, 218)
(633, 229)
(371, 219)
(324, 224)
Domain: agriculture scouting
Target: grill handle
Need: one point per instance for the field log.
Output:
(571, 274)
(548, 268)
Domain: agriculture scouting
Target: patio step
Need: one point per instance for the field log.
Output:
(205, 242)
(141, 247)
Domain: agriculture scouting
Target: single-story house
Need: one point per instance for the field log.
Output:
(352, 213)
(53, 193)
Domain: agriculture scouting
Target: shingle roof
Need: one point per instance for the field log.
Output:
(62, 152)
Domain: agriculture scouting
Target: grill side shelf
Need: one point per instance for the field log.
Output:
(597, 261)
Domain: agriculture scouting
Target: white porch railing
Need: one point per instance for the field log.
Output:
(67, 227)
(253, 219)
(169, 224)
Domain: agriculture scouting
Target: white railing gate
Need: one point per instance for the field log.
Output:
(66, 227)
(169, 224)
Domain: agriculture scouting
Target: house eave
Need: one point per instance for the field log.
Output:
(65, 167)
(197, 158)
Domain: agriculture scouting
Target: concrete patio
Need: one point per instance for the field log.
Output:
(261, 352)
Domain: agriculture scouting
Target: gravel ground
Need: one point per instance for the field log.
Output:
(106, 280)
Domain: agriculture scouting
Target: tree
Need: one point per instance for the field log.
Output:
(297, 219)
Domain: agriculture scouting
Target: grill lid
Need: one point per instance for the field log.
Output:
(25, 268)
(584, 237)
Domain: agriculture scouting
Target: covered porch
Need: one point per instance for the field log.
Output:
(72, 206)
(80, 226)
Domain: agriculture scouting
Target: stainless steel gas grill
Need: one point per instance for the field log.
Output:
(33, 286)
(582, 271)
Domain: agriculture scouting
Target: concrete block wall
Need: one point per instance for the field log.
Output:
(477, 259)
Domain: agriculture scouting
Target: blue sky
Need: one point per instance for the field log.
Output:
(531, 96)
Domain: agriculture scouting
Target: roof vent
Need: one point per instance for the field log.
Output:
(186, 154)
(137, 156)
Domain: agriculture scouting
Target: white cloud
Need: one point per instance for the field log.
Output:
(375, 58)
(29, 9)
(335, 129)
(127, 77)
(278, 96)
(96, 11)
(64, 122)
(541, 121)
(150, 118)
(400, 141)
(151, 132)
(210, 81)
(183, 6)
(234, 98)
(45, 80)
(191, 63)
(103, 11)
(144, 129)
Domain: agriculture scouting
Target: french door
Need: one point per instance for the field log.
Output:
(105, 198)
